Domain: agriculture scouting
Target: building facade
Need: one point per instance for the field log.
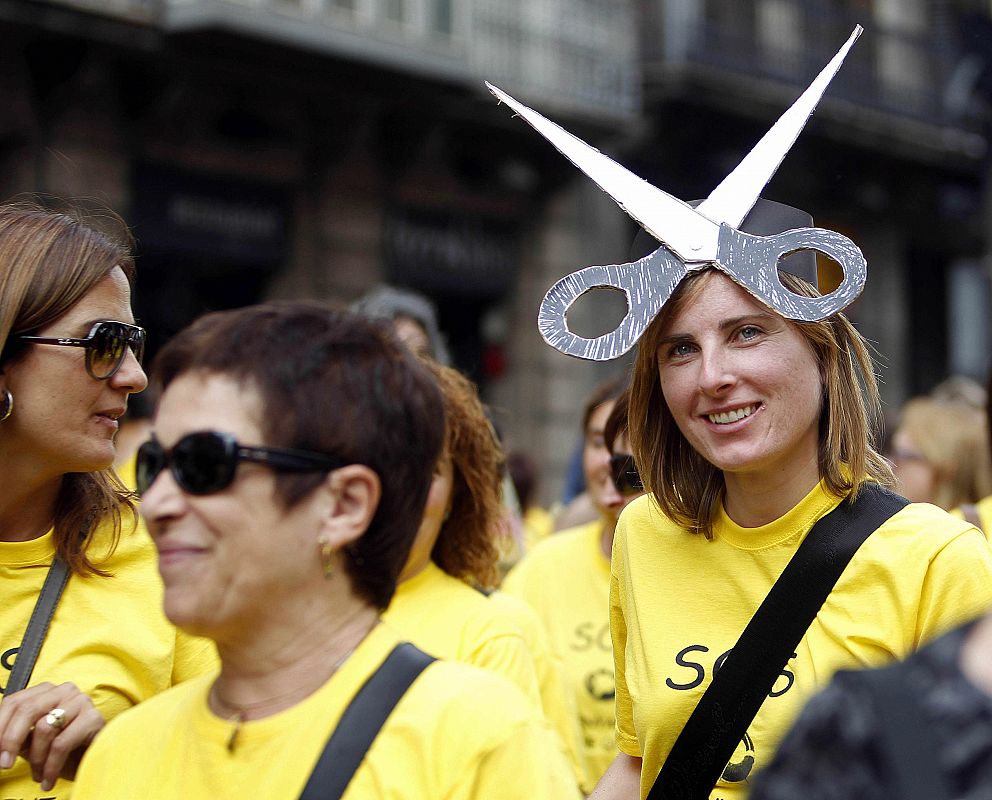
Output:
(315, 148)
(895, 156)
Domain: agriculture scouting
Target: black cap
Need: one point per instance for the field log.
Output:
(765, 219)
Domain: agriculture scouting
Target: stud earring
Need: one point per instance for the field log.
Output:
(326, 556)
(6, 404)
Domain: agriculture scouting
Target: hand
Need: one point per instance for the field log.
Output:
(52, 751)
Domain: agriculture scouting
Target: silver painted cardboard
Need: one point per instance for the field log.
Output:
(695, 238)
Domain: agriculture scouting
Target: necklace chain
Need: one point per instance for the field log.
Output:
(240, 711)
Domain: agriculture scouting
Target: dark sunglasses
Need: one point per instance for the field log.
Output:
(205, 462)
(625, 475)
(106, 346)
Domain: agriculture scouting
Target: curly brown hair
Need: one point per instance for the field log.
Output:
(466, 547)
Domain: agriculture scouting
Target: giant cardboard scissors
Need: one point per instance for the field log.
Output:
(695, 238)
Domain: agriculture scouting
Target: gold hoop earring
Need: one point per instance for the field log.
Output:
(326, 556)
(6, 404)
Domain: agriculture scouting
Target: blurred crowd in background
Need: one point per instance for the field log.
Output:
(347, 152)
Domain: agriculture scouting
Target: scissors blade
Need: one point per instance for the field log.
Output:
(731, 201)
(676, 224)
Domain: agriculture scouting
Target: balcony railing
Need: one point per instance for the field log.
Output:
(140, 11)
(902, 65)
(572, 56)
(578, 54)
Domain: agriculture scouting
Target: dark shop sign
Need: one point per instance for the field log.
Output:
(448, 253)
(210, 216)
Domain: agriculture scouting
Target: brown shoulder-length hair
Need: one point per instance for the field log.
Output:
(49, 260)
(466, 546)
(952, 438)
(686, 486)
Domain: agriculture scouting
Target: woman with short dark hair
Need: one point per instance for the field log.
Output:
(283, 487)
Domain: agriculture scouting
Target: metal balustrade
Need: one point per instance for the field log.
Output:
(903, 65)
(588, 57)
(571, 56)
(141, 11)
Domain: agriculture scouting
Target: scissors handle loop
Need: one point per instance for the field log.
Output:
(753, 262)
(646, 284)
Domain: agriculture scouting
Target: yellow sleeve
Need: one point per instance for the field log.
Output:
(95, 771)
(526, 764)
(507, 655)
(626, 738)
(557, 703)
(957, 586)
(194, 656)
(560, 711)
(515, 582)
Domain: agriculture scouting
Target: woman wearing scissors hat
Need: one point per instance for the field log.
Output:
(752, 409)
(749, 428)
(70, 359)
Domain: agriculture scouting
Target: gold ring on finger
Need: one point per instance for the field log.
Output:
(56, 718)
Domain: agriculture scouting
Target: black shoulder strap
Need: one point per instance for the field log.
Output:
(738, 689)
(362, 720)
(906, 739)
(34, 634)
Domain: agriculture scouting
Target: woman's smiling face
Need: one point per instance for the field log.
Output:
(742, 382)
(224, 553)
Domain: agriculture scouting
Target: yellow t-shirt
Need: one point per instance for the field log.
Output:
(128, 472)
(459, 733)
(557, 704)
(538, 526)
(449, 619)
(109, 635)
(566, 580)
(679, 602)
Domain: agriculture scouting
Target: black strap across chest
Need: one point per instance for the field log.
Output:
(740, 686)
(37, 629)
(362, 720)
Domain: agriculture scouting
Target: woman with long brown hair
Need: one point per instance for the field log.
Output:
(69, 358)
(768, 553)
(940, 454)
